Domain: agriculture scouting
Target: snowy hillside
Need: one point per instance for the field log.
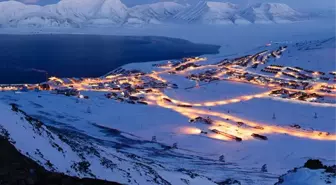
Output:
(271, 12)
(304, 176)
(307, 55)
(95, 159)
(312, 173)
(79, 13)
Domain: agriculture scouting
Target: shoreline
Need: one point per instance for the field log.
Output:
(34, 57)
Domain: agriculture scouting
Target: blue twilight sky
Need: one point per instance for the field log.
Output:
(298, 4)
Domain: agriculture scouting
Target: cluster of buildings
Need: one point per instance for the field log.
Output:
(25, 87)
(273, 69)
(230, 69)
(123, 85)
(126, 97)
(124, 72)
(209, 121)
(206, 76)
(66, 92)
(328, 88)
(235, 70)
(186, 66)
(297, 95)
(269, 81)
(253, 60)
(12, 87)
(199, 119)
(177, 64)
(241, 61)
(333, 74)
(296, 73)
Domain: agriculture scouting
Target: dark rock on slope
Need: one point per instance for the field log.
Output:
(312, 168)
(17, 169)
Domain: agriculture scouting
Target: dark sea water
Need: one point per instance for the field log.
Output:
(26, 58)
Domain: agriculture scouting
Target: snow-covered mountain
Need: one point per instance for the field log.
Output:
(211, 13)
(89, 11)
(78, 13)
(72, 13)
(154, 13)
(271, 12)
(13, 10)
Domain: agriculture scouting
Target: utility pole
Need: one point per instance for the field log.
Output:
(222, 158)
(197, 84)
(154, 139)
(47, 76)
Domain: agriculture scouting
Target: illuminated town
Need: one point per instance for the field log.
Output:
(280, 83)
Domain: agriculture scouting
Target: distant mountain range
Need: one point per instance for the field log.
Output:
(79, 13)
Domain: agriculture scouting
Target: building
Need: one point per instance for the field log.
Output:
(67, 92)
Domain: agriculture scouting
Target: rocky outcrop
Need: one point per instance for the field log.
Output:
(312, 173)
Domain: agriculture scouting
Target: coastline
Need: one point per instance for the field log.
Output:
(34, 57)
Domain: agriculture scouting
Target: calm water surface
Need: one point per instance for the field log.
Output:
(26, 58)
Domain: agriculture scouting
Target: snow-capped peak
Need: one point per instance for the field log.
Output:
(167, 8)
(156, 12)
(11, 10)
(209, 12)
(84, 10)
(221, 5)
(270, 12)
